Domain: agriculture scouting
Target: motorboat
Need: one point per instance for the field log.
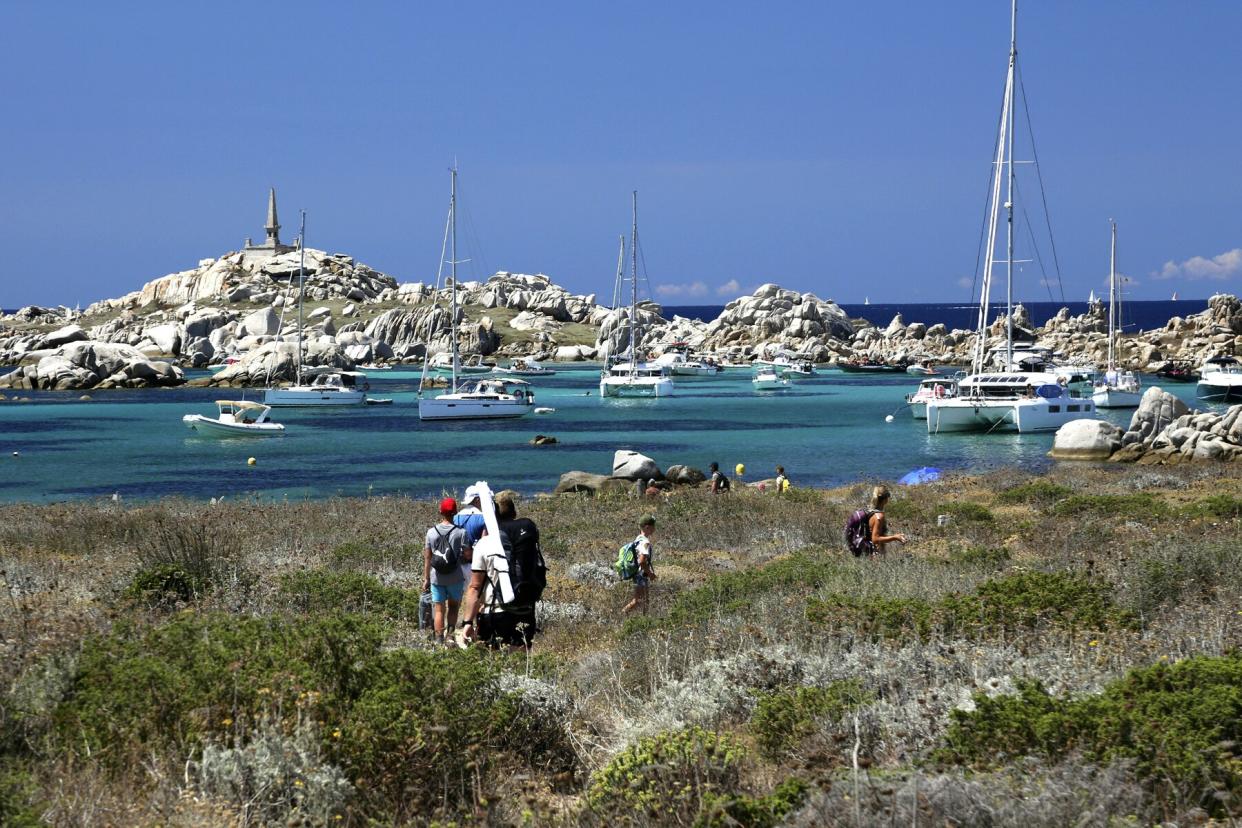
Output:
(485, 398)
(1115, 389)
(680, 365)
(443, 363)
(937, 388)
(921, 369)
(859, 366)
(1177, 372)
(236, 418)
(1022, 394)
(525, 367)
(796, 368)
(629, 377)
(1220, 379)
(768, 379)
(489, 398)
(328, 388)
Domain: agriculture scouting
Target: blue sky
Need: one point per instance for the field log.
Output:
(839, 148)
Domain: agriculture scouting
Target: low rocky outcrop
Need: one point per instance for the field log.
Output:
(87, 364)
(580, 482)
(684, 475)
(1086, 440)
(275, 362)
(1164, 431)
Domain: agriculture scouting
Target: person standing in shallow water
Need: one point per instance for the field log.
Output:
(643, 552)
(878, 523)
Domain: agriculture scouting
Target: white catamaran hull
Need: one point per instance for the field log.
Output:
(635, 387)
(1022, 415)
(305, 395)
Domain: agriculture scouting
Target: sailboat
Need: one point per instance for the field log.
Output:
(1116, 389)
(1026, 400)
(328, 387)
(631, 378)
(490, 398)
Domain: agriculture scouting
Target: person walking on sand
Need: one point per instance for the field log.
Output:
(643, 553)
(878, 524)
(446, 550)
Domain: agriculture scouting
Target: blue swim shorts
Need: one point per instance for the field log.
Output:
(447, 592)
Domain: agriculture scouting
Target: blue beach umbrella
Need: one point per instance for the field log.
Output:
(924, 475)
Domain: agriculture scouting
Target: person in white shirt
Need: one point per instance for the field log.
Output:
(643, 552)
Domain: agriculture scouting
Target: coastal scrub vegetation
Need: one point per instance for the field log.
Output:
(1063, 650)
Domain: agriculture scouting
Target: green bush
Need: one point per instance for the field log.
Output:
(1024, 600)
(205, 549)
(17, 799)
(783, 719)
(752, 811)
(1220, 506)
(165, 585)
(986, 556)
(318, 591)
(1036, 491)
(734, 593)
(1141, 505)
(966, 511)
(1180, 724)
(667, 778)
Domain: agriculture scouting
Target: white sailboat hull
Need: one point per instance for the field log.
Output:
(214, 428)
(1112, 397)
(465, 407)
(306, 395)
(635, 387)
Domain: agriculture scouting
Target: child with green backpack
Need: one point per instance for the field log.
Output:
(634, 563)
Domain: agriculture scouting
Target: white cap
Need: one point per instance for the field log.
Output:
(470, 494)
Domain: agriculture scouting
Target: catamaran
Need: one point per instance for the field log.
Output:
(1116, 389)
(1004, 399)
(491, 398)
(630, 377)
(328, 388)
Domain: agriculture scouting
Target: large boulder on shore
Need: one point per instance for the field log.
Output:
(1086, 440)
(580, 482)
(1156, 410)
(684, 475)
(93, 365)
(630, 465)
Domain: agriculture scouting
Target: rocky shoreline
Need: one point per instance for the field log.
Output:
(241, 309)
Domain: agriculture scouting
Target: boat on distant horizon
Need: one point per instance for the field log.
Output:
(236, 418)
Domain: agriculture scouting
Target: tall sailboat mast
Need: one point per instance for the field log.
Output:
(453, 270)
(1112, 301)
(634, 288)
(1013, 61)
(301, 270)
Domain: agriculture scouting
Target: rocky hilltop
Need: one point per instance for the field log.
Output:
(240, 309)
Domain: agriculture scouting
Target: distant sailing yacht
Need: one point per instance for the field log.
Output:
(1006, 399)
(632, 378)
(1116, 389)
(1174, 299)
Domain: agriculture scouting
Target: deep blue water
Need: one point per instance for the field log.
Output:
(827, 430)
(1137, 316)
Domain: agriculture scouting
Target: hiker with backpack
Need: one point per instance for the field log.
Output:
(634, 563)
(446, 550)
(507, 576)
(866, 530)
(718, 481)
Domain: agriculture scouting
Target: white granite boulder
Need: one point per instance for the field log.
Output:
(630, 465)
(264, 322)
(1086, 440)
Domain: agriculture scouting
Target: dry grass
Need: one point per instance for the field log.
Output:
(728, 622)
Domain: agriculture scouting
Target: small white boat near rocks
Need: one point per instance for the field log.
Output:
(525, 367)
(767, 379)
(237, 418)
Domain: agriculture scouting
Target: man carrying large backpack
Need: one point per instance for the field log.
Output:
(447, 549)
(507, 577)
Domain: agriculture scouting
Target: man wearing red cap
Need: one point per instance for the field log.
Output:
(448, 548)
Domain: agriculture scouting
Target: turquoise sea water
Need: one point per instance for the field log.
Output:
(826, 430)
